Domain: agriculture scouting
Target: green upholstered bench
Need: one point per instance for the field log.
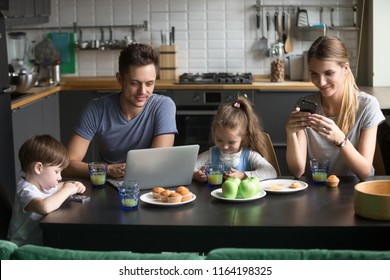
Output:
(9, 250)
(295, 254)
(6, 249)
(33, 252)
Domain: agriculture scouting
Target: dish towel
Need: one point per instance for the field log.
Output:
(64, 42)
(61, 41)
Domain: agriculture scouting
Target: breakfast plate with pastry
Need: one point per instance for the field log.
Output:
(282, 186)
(168, 197)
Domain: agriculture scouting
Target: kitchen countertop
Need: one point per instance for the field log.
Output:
(102, 83)
(110, 83)
(34, 94)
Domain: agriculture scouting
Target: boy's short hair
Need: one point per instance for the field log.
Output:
(45, 149)
(137, 55)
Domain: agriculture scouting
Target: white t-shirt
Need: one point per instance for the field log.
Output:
(368, 115)
(24, 226)
(261, 168)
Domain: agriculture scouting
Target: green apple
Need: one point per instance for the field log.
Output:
(247, 188)
(235, 179)
(230, 187)
(255, 180)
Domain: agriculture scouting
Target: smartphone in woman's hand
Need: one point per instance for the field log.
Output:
(308, 106)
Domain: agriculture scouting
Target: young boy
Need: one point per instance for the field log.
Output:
(42, 158)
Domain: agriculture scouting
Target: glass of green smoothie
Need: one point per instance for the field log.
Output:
(98, 174)
(214, 171)
(129, 194)
(319, 170)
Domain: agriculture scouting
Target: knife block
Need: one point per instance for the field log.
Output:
(167, 57)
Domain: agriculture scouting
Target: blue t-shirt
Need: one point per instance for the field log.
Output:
(114, 135)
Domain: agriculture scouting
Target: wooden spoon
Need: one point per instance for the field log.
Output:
(288, 46)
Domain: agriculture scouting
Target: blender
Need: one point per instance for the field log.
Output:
(22, 76)
(17, 46)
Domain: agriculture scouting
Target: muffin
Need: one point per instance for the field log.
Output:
(182, 190)
(185, 192)
(164, 195)
(174, 197)
(186, 197)
(156, 192)
(332, 181)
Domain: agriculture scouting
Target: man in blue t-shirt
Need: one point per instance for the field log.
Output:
(134, 118)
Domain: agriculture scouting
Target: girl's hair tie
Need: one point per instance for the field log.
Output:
(237, 104)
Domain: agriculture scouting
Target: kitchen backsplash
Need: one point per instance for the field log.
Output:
(210, 35)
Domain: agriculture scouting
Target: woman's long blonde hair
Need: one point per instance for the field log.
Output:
(331, 48)
(240, 115)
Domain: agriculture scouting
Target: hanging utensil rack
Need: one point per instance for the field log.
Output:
(332, 7)
(75, 27)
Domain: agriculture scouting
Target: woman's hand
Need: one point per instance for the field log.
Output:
(116, 170)
(327, 128)
(297, 121)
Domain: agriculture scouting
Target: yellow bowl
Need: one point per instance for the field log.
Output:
(372, 199)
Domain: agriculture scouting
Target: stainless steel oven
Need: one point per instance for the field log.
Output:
(195, 110)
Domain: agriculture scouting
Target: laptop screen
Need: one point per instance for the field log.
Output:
(163, 167)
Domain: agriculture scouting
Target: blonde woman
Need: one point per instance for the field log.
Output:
(344, 126)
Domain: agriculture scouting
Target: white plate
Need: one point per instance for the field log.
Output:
(148, 198)
(284, 186)
(218, 194)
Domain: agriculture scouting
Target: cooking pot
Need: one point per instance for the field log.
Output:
(23, 81)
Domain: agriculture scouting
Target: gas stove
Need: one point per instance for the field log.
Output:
(215, 78)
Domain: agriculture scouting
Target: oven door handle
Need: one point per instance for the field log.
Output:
(196, 113)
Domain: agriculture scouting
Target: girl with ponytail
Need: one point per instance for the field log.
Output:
(239, 143)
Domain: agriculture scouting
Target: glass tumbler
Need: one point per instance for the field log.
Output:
(129, 194)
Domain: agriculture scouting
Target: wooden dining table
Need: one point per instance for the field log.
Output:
(316, 217)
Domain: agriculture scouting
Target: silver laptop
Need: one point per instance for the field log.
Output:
(163, 167)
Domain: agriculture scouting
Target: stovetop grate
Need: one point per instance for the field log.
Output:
(216, 78)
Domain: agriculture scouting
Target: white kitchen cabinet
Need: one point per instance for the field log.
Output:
(40, 117)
